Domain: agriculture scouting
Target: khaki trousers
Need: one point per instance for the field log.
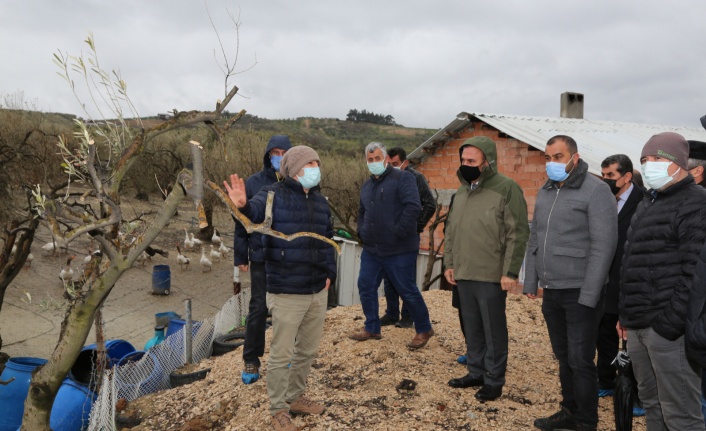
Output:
(297, 325)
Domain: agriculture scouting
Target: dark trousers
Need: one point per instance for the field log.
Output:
(254, 346)
(456, 303)
(573, 330)
(607, 346)
(483, 311)
(393, 301)
(402, 270)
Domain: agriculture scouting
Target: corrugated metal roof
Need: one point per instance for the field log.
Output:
(596, 139)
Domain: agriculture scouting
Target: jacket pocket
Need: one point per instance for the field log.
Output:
(569, 251)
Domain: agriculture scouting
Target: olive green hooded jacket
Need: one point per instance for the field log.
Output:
(487, 228)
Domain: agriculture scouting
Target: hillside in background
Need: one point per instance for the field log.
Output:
(324, 134)
(340, 136)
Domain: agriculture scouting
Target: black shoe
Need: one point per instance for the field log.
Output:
(467, 381)
(489, 393)
(405, 322)
(586, 427)
(387, 321)
(561, 420)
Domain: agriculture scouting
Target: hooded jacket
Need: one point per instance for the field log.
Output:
(487, 230)
(573, 236)
(388, 213)
(665, 238)
(249, 247)
(300, 266)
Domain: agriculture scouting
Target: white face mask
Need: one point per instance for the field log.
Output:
(655, 174)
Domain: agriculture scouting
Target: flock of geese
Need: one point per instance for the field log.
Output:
(218, 251)
(206, 261)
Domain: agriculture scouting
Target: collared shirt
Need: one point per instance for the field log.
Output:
(624, 197)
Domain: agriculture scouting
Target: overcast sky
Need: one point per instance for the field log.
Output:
(422, 62)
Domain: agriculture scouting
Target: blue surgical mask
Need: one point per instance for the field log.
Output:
(376, 168)
(275, 162)
(655, 174)
(557, 171)
(311, 178)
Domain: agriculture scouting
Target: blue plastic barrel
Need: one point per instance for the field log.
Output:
(13, 395)
(175, 326)
(132, 385)
(72, 407)
(84, 367)
(161, 279)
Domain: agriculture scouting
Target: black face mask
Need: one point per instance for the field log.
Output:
(470, 173)
(613, 188)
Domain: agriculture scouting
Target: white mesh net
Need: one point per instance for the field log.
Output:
(151, 372)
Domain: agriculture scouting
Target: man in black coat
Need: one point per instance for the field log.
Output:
(665, 237)
(398, 160)
(617, 172)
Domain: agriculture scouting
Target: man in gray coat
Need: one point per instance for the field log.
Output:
(572, 241)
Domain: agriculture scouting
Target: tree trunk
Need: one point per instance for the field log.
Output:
(47, 379)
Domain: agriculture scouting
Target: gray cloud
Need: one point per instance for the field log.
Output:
(419, 61)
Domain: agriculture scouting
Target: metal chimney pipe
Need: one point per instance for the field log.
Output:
(571, 105)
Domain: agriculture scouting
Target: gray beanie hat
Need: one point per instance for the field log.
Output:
(295, 159)
(669, 145)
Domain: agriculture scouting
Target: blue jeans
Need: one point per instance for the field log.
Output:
(402, 270)
(393, 301)
(254, 346)
(573, 331)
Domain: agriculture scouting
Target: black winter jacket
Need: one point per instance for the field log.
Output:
(665, 237)
(426, 198)
(300, 266)
(388, 213)
(696, 316)
(249, 247)
(624, 217)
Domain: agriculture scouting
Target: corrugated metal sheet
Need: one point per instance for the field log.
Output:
(596, 139)
(349, 266)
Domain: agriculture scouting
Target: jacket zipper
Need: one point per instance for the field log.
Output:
(544, 250)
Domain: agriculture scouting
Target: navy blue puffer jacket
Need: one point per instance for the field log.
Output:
(388, 213)
(300, 266)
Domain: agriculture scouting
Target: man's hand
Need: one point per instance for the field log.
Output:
(449, 275)
(236, 190)
(531, 295)
(244, 268)
(507, 283)
(328, 284)
(622, 332)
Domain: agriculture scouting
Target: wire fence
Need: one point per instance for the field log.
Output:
(151, 372)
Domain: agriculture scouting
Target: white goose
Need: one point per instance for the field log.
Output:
(49, 247)
(195, 240)
(28, 261)
(183, 260)
(205, 262)
(188, 242)
(215, 254)
(215, 238)
(223, 250)
(67, 273)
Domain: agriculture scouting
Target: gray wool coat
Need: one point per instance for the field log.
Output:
(573, 236)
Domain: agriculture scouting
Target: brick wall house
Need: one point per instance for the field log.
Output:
(520, 143)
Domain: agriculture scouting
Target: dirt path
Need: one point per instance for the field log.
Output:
(31, 328)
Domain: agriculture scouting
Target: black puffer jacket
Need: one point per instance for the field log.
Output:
(300, 266)
(696, 316)
(665, 237)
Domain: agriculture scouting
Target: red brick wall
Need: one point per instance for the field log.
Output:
(515, 159)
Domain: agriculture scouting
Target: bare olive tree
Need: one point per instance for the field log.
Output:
(107, 149)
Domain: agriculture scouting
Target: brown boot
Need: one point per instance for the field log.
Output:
(420, 340)
(305, 406)
(364, 335)
(281, 421)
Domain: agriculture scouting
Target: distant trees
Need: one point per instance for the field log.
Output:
(370, 117)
